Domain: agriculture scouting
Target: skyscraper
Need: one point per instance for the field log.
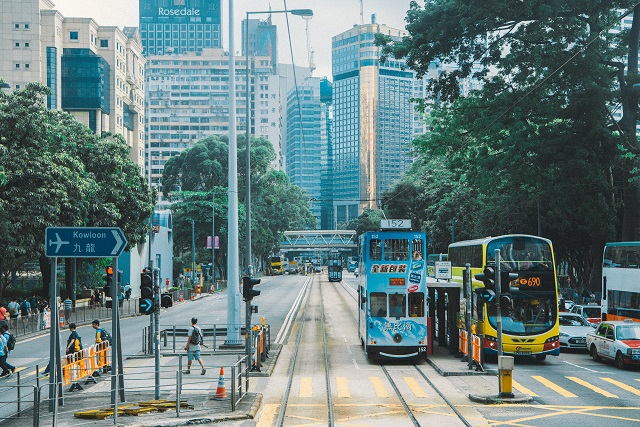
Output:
(375, 120)
(308, 122)
(180, 26)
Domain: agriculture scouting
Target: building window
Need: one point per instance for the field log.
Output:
(16, 26)
(17, 65)
(17, 45)
(26, 44)
(26, 65)
(104, 43)
(26, 26)
(73, 35)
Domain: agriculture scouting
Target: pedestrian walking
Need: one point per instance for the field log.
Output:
(7, 368)
(193, 348)
(4, 316)
(67, 303)
(13, 308)
(25, 309)
(33, 302)
(127, 291)
(74, 342)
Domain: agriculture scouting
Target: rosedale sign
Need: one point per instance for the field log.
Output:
(178, 12)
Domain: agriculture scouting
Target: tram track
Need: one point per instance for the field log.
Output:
(294, 361)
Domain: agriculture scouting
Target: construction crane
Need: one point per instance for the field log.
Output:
(312, 65)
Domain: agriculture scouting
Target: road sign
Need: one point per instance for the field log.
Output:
(84, 242)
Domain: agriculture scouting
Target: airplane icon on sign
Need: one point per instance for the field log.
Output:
(58, 242)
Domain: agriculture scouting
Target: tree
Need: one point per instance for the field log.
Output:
(58, 173)
(539, 133)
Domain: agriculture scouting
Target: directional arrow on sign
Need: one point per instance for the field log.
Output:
(146, 306)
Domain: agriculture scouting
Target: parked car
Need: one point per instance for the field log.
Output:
(591, 312)
(573, 331)
(618, 341)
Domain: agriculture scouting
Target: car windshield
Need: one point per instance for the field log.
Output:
(573, 321)
(628, 332)
(591, 311)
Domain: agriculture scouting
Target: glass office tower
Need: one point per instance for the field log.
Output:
(374, 120)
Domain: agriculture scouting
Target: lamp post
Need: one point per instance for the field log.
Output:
(305, 13)
(193, 254)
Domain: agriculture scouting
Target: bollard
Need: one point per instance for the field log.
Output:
(178, 389)
(36, 406)
(505, 371)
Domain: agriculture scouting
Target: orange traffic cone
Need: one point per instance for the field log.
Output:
(221, 391)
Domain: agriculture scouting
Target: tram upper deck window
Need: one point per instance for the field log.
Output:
(375, 250)
(378, 304)
(397, 305)
(396, 249)
(417, 245)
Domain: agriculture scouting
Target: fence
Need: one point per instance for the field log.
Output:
(35, 322)
(24, 399)
(174, 338)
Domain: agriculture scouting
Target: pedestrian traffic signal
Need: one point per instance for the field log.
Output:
(108, 280)
(488, 277)
(247, 288)
(146, 303)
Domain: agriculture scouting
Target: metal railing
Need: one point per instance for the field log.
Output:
(35, 322)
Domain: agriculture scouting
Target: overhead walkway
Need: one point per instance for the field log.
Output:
(312, 240)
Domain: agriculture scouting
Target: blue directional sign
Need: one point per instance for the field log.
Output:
(84, 242)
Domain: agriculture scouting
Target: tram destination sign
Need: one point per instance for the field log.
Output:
(84, 242)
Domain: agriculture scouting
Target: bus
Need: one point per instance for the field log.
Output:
(530, 316)
(621, 281)
(392, 315)
(334, 266)
(352, 264)
(276, 265)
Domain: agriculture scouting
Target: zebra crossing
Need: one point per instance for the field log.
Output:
(569, 386)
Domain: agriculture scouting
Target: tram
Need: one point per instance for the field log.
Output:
(392, 321)
(335, 267)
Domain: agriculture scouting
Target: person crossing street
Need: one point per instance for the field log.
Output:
(194, 340)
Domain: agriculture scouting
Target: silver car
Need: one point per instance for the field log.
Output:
(573, 331)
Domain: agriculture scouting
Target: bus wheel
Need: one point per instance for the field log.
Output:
(620, 361)
(541, 357)
(594, 353)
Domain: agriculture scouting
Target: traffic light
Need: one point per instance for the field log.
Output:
(505, 282)
(146, 303)
(108, 280)
(247, 288)
(488, 277)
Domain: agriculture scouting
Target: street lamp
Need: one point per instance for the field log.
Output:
(305, 13)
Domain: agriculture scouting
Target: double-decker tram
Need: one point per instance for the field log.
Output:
(529, 305)
(392, 320)
(334, 267)
(621, 281)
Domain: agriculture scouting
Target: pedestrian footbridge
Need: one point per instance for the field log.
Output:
(309, 240)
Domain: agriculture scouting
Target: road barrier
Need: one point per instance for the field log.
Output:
(84, 363)
(463, 347)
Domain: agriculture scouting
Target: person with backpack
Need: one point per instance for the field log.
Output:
(7, 343)
(13, 309)
(74, 342)
(101, 333)
(25, 309)
(193, 346)
(33, 302)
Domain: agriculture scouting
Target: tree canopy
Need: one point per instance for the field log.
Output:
(59, 173)
(537, 142)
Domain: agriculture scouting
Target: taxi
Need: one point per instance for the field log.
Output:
(618, 341)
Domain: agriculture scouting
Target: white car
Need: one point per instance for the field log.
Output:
(616, 340)
(573, 331)
(591, 312)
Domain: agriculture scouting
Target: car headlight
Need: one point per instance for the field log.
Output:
(564, 334)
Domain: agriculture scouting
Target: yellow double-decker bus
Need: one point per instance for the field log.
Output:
(276, 266)
(530, 312)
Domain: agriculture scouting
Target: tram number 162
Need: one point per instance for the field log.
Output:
(422, 349)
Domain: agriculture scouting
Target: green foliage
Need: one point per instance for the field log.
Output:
(535, 143)
(276, 205)
(369, 220)
(58, 173)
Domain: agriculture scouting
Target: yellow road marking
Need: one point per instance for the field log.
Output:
(415, 387)
(343, 387)
(379, 387)
(622, 386)
(592, 387)
(306, 387)
(268, 415)
(522, 389)
(553, 386)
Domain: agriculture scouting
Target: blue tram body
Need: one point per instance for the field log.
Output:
(392, 315)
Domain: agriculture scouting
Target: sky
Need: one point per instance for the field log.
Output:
(331, 17)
